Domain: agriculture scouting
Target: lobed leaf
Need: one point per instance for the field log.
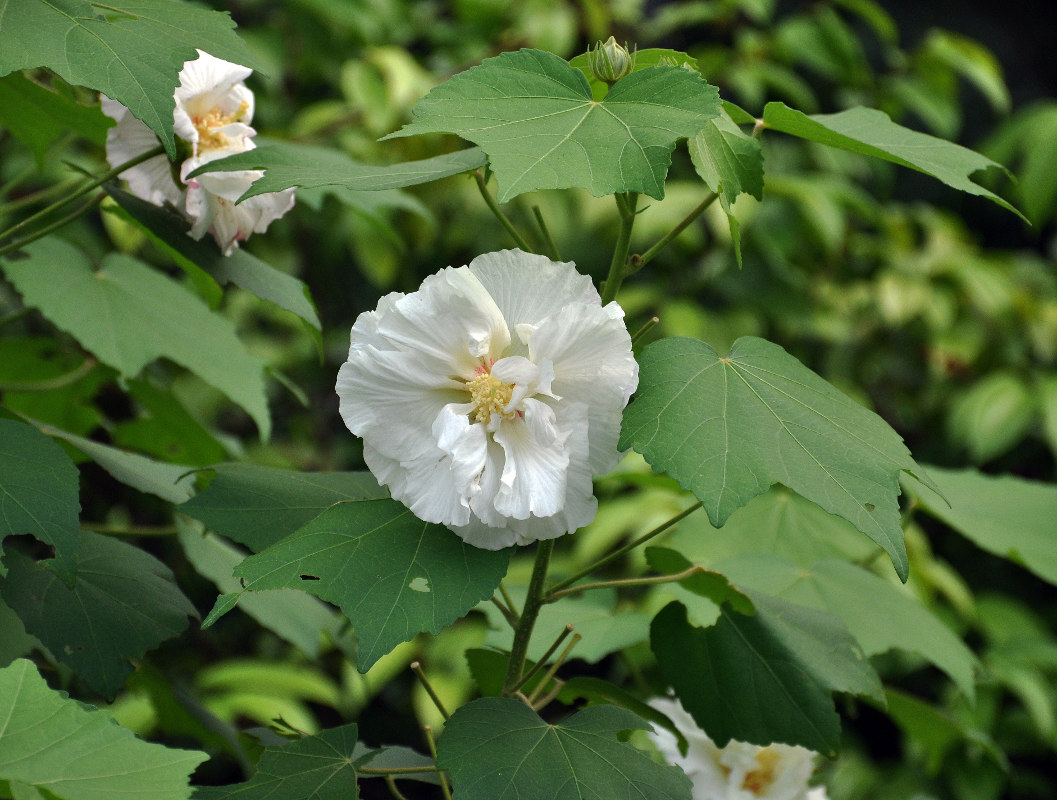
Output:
(728, 428)
(535, 117)
(496, 748)
(130, 50)
(74, 751)
(129, 315)
(125, 603)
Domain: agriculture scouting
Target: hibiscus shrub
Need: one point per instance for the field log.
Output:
(567, 547)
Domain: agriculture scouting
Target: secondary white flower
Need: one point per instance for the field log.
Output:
(213, 106)
(739, 771)
(211, 201)
(151, 180)
(489, 398)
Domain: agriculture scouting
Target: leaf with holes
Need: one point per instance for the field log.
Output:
(535, 117)
(38, 494)
(130, 50)
(392, 574)
(496, 748)
(729, 428)
(74, 751)
(125, 603)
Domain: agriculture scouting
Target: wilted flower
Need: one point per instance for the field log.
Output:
(739, 771)
(212, 115)
(211, 202)
(489, 398)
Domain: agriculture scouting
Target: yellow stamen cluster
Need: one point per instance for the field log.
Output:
(208, 125)
(759, 779)
(489, 396)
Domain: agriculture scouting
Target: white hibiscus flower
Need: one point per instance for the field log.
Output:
(212, 114)
(489, 398)
(739, 771)
(211, 200)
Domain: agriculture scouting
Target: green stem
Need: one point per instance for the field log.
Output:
(553, 669)
(83, 190)
(131, 530)
(639, 261)
(620, 551)
(389, 782)
(42, 196)
(40, 233)
(552, 248)
(57, 382)
(543, 659)
(621, 583)
(493, 206)
(433, 752)
(417, 669)
(618, 266)
(508, 600)
(508, 615)
(533, 603)
(395, 770)
(646, 328)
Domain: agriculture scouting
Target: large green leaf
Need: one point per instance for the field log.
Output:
(288, 164)
(38, 116)
(319, 767)
(257, 506)
(872, 133)
(124, 603)
(766, 677)
(297, 617)
(879, 615)
(38, 493)
(728, 428)
(77, 753)
(392, 574)
(534, 116)
(168, 230)
(128, 315)
(1010, 517)
(130, 50)
(496, 748)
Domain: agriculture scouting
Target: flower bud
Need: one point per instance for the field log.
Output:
(610, 62)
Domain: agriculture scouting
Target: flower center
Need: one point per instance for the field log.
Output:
(207, 125)
(489, 396)
(761, 778)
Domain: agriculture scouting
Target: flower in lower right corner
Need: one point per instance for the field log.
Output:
(738, 771)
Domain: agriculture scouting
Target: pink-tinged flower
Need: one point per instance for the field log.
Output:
(739, 771)
(211, 202)
(489, 398)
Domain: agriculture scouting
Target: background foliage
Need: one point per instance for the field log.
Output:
(936, 309)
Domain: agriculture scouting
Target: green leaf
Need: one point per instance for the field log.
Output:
(711, 585)
(168, 230)
(295, 616)
(288, 164)
(165, 429)
(392, 574)
(130, 50)
(778, 521)
(401, 758)
(934, 731)
(729, 428)
(496, 748)
(38, 117)
(730, 162)
(129, 315)
(170, 482)
(993, 416)
(319, 767)
(879, 615)
(534, 116)
(1010, 517)
(872, 133)
(78, 753)
(14, 641)
(124, 604)
(258, 506)
(593, 615)
(38, 494)
(766, 677)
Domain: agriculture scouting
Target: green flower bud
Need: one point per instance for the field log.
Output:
(610, 62)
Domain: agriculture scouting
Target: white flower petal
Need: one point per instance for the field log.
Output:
(425, 485)
(533, 481)
(129, 137)
(593, 364)
(466, 444)
(508, 274)
(209, 83)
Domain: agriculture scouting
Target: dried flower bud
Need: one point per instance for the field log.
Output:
(610, 62)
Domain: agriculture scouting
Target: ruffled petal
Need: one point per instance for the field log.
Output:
(528, 288)
(128, 138)
(533, 481)
(452, 318)
(209, 83)
(529, 379)
(424, 485)
(466, 444)
(593, 364)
